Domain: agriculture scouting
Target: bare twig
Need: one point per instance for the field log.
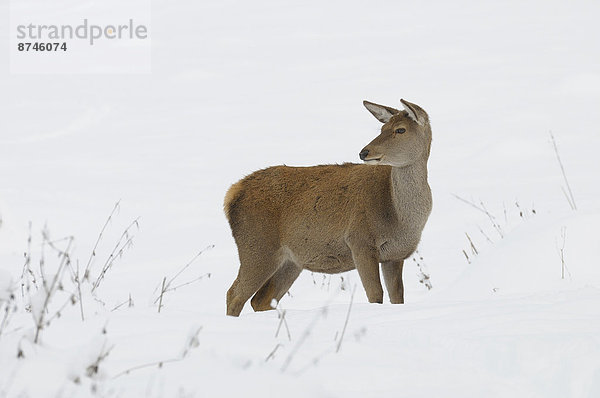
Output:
(470, 204)
(561, 253)
(166, 286)
(129, 303)
(314, 362)
(189, 263)
(27, 267)
(191, 342)
(339, 345)
(473, 248)
(162, 291)
(272, 353)
(467, 257)
(172, 289)
(571, 204)
(423, 274)
(492, 220)
(5, 317)
(49, 290)
(8, 311)
(481, 207)
(78, 281)
(343, 283)
(93, 368)
(485, 235)
(522, 214)
(569, 197)
(123, 243)
(57, 314)
(116, 307)
(158, 364)
(282, 321)
(86, 273)
(320, 314)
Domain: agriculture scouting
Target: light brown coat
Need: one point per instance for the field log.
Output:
(334, 218)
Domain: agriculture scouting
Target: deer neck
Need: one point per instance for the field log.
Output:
(410, 189)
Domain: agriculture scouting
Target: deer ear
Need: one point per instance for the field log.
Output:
(415, 112)
(381, 113)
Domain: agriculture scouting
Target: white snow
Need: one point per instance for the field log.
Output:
(240, 86)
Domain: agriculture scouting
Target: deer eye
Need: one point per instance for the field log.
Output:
(400, 131)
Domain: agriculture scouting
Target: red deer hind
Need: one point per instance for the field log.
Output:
(334, 218)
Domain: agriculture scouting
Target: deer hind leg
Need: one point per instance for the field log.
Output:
(254, 271)
(392, 274)
(276, 287)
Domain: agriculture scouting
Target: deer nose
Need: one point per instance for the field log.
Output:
(363, 154)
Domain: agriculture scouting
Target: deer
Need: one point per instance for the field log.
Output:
(334, 218)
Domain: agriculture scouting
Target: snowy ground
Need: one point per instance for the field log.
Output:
(239, 86)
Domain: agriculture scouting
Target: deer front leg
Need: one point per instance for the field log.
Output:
(368, 269)
(392, 275)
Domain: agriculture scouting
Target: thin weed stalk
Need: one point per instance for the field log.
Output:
(473, 248)
(561, 253)
(191, 342)
(282, 321)
(166, 284)
(272, 353)
(50, 289)
(86, 272)
(339, 345)
(125, 241)
(307, 332)
(568, 196)
(162, 292)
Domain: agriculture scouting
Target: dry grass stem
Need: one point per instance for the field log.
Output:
(569, 196)
(485, 235)
(470, 203)
(467, 256)
(272, 353)
(125, 241)
(473, 248)
(27, 271)
(50, 289)
(561, 253)
(339, 345)
(94, 367)
(320, 314)
(166, 284)
(492, 220)
(189, 263)
(162, 292)
(191, 342)
(423, 275)
(86, 272)
(78, 282)
(282, 321)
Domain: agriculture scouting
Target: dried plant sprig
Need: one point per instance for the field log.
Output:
(125, 241)
(86, 272)
(569, 196)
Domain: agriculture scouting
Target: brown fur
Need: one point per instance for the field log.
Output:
(230, 198)
(334, 218)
